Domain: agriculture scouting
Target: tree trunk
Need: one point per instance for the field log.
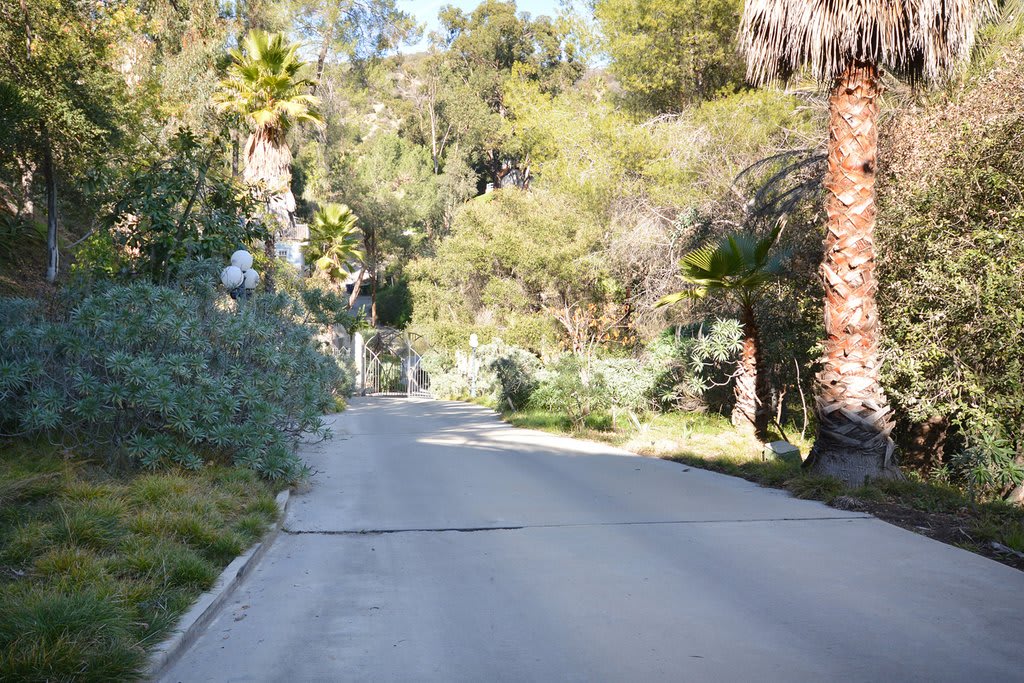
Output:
(26, 206)
(357, 287)
(750, 414)
(53, 263)
(854, 419)
(321, 59)
(268, 161)
(270, 250)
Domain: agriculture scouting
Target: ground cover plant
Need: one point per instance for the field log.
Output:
(95, 569)
(142, 375)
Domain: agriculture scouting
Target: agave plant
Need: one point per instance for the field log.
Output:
(844, 44)
(334, 240)
(738, 266)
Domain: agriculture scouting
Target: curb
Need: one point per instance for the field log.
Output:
(206, 606)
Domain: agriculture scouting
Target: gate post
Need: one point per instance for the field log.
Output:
(408, 366)
(359, 361)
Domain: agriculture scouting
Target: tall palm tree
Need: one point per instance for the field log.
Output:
(844, 44)
(740, 267)
(265, 89)
(334, 240)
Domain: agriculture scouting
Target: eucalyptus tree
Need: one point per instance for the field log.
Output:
(481, 52)
(845, 44)
(265, 88)
(63, 107)
(644, 40)
(355, 29)
(738, 267)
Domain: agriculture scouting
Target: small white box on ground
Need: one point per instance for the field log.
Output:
(782, 450)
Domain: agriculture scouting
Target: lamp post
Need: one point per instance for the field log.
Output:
(240, 279)
(474, 342)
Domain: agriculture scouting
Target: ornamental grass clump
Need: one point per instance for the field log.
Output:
(143, 375)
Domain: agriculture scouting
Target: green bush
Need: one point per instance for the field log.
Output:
(149, 375)
(629, 381)
(447, 379)
(180, 207)
(987, 466)
(505, 374)
(689, 361)
(952, 298)
(15, 232)
(569, 386)
(394, 304)
(514, 372)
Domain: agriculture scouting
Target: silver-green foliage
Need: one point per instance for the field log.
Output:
(569, 387)
(690, 361)
(152, 375)
(988, 466)
(505, 374)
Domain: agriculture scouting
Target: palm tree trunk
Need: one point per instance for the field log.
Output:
(268, 161)
(750, 414)
(854, 418)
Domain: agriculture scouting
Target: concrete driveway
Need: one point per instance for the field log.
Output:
(439, 544)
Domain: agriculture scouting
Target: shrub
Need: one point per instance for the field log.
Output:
(569, 387)
(951, 241)
(394, 304)
(987, 466)
(514, 372)
(505, 374)
(181, 206)
(148, 375)
(689, 361)
(447, 379)
(629, 382)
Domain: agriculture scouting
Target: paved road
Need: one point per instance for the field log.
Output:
(438, 544)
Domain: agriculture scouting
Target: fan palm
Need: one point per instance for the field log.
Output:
(265, 89)
(740, 267)
(844, 44)
(334, 240)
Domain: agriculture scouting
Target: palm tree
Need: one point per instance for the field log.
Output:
(334, 240)
(844, 44)
(264, 89)
(739, 267)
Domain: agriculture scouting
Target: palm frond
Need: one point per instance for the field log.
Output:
(334, 240)
(739, 263)
(918, 39)
(670, 299)
(263, 84)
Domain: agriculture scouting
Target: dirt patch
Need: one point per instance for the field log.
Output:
(948, 528)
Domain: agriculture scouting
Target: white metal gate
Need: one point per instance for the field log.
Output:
(391, 364)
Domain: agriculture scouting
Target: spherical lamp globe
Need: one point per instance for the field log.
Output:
(242, 260)
(250, 279)
(231, 277)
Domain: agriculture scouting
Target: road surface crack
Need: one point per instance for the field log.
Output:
(519, 527)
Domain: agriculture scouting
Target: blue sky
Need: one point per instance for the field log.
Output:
(425, 12)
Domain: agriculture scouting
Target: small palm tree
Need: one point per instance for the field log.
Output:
(844, 44)
(334, 241)
(264, 89)
(740, 267)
